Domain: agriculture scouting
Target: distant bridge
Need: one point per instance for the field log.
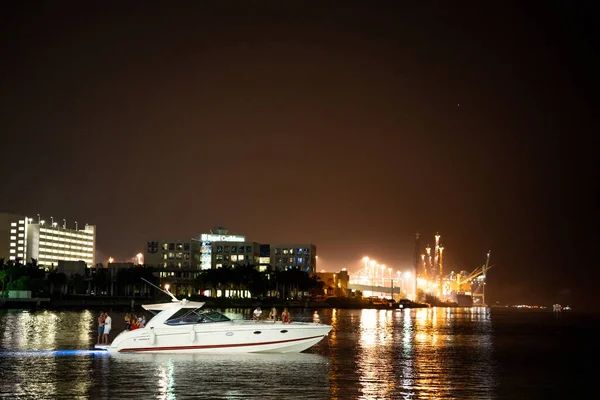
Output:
(374, 288)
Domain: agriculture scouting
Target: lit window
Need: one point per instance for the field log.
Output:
(234, 257)
(13, 224)
(13, 238)
(21, 235)
(12, 251)
(20, 242)
(13, 231)
(20, 248)
(12, 258)
(219, 265)
(21, 228)
(240, 258)
(22, 222)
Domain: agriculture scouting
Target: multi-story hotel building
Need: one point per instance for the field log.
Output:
(219, 249)
(47, 241)
(208, 250)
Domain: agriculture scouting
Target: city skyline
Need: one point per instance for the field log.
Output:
(350, 126)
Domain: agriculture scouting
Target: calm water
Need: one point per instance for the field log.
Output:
(436, 353)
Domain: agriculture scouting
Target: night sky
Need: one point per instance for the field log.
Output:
(350, 125)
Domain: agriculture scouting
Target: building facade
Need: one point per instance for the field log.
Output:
(290, 256)
(181, 260)
(49, 243)
(173, 253)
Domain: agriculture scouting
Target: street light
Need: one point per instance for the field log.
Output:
(372, 264)
(391, 284)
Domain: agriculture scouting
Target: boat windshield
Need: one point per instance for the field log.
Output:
(187, 316)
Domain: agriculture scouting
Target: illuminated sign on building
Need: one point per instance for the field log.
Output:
(208, 237)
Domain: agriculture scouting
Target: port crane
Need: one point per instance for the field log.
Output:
(478, 282)
(473, 282)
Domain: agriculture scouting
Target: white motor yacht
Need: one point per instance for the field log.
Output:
(182, 326)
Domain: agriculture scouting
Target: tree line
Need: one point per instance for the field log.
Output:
(237, 281)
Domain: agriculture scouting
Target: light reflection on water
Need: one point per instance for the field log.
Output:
(434, 353)
(419, 353)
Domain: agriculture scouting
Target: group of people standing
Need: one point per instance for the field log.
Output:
(285, 315)
(104, 327)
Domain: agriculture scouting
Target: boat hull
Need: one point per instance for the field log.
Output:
(227, 337)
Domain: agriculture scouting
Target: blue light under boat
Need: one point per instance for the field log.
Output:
(56, 353)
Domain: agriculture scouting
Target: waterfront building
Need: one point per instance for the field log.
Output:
(264, 259)
(181, 260)
(173, 253)
(47, 241)
(289, 256)
(334, 283)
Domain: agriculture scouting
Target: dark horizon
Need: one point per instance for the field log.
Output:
(347, 125)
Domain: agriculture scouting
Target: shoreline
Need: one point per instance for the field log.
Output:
(129, 303)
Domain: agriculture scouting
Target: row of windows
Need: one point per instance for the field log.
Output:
(66, 246)
(176, 246)
(67, 240)
(176, 256)
(234, 249)
(233, 257)
(299, 251)
(82, 253)
(79, 235)
(183, 264)
(293, 260)
(186, 275)
(49, 259)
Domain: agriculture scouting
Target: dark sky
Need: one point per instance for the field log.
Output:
(351, 125)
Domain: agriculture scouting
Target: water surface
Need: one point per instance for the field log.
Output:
(437, 353)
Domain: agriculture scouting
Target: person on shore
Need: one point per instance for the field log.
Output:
(257, 314)
(273, 315)
(107, 327)
(285, 316)
(101, 327)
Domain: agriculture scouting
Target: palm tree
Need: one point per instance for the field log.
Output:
(57, 279)
(3, 277)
